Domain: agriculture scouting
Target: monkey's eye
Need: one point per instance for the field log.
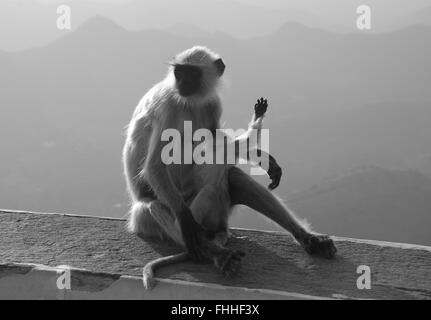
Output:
(178, 71)
(187, 71)
(195, 72)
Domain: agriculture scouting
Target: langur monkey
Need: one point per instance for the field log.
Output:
(190, 203)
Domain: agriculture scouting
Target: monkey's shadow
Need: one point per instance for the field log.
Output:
(268, 264)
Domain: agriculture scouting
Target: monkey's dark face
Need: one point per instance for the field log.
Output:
(189, 79)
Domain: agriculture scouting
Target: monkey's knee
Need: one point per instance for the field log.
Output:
(210, 210)
(209, 191)
(167, 221)
(142, 223)
(139, 218)
(204, 201)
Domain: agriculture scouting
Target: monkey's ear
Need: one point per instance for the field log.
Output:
(220, 66)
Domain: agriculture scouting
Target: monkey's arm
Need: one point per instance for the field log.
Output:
(269, 164)
(251, 138)
(155, 171)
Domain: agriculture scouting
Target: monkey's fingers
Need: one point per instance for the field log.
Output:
(275, 180)
(229, 261)
(260, 107)
(320, 245)
(273, 185)
(233, 265)
(274, 173)
(240, 253)
(264, 102)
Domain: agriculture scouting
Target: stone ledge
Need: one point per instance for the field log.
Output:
(107, 262)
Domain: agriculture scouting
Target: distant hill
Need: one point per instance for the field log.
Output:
(322, 146)
(27, 24)
(187, 30)
(422, 16)
(421, 163)
(371, 203)
(336, 102)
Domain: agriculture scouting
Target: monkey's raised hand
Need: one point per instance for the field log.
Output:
(260, 107)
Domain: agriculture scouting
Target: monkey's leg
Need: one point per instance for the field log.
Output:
(208, 210)
(245, 190)
(142, 223)
(227, 260)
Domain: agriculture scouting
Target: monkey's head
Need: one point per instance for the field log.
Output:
(197, 71)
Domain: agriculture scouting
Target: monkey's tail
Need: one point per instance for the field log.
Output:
(150, 267)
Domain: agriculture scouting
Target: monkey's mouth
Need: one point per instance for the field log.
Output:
(186, 92)
(188, 88)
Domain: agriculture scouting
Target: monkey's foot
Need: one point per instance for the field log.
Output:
(229, 261)
(319, 245)
(260, 107)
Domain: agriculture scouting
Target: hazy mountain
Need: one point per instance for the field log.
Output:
(421, 163)
(237, 19)
(187, 30)
(422, 16)
(26, 24)
(373, 204)
(343, 12)
(318, 147)
(370, 203)
(64, 106)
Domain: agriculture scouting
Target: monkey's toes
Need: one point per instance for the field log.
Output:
(320, 245)
(230, 262)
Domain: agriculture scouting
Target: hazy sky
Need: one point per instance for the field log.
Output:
(339, 12)
(31, 23)
(333, 9)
